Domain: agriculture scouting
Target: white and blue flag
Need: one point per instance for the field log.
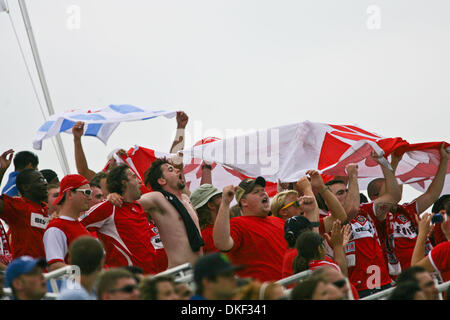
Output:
(99, 123)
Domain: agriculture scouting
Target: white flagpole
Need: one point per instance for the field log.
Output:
(60, 148)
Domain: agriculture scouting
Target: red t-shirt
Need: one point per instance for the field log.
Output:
(207, 235)
(126, 235)
(259, 244)
(440, 259)
(59, 235)
(27, 221)
(365, 259)
(288, 261)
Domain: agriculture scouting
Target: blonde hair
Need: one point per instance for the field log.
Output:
(256, 290)
(278, 201)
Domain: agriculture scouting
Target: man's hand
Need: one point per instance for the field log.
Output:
(182, 120)
(307, 203)
(425, 226)
(5, 159)
(337, 237)
(316, 180)
(78, 129)
(301, 185)
(282, 186)
(228, 194)
(352, 169)
(346, 233)
(444, 153)
(115, 199)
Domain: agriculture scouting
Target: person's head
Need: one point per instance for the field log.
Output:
(74, 193)
(183, 291)
(117, 284)
(338, 188)
(97, 196)
(24, 276)
(122, 180)
(162, 175)
(335, 277)
(50, 176)
(206, 200)
(158, 288)
(25, 160)
(408, 290)
(137, 272)
(310, 246)
(99, 181)
(294, 226)
(442, 204)
(235, 211)
(423, 279)
(53, 192)
(88, 254)
(252, 197)
(376, 188)
(316, 288)
(285, 204)
(214, 277)
(32, 185)
(255, 290)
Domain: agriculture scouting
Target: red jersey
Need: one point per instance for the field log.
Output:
(27, 222)
(59, 235)
(440, 259)
(125, 233)
(207, 235)
(314, 264)
(259, 244)
(367, 268)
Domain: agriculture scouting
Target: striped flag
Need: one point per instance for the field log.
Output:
(99, 123)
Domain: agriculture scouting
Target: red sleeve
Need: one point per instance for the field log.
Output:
(235, 233)
(440, 257)
(12, 206)
(97, 216)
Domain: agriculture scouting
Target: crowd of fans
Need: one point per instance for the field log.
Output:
(122, 232)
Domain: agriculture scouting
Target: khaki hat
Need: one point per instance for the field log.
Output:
(203, 194)
(247, 185)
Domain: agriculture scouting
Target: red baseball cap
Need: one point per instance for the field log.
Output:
(69, 182)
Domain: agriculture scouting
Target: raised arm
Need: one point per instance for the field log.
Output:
(352, 201)
(337, 241)
(80, 158)
(392, 194)
(5, 162)
(221, 231)
(336, 209)
(418, 258)
(434, 190)
(305, 190)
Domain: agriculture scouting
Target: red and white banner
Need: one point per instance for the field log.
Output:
(287, 152)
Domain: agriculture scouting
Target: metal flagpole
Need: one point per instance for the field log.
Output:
(60, 148)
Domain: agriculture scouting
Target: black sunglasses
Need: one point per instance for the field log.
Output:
(127, 289)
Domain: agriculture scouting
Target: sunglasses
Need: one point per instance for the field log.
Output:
(87, 192)
(293, 203)
(340, 283)
(127, 289)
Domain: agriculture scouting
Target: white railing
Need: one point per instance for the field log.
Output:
(385, 293)
(294, 278)
(177, 272)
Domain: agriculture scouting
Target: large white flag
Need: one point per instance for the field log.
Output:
(287, 152)
(100, 123)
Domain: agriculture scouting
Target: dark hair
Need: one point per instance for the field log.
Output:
(335, 181)
(154, 173)
(405, 291)
(87, 253)
(24, 178)
(373, 188)
(305, 289)
(135, 270)
(199, 284)
(49, 175)
(409, 274)
(115, 178)
(108, 279)
(307, 245)
(363, 198)
(148, 289)
(24, 158)
(95, 181)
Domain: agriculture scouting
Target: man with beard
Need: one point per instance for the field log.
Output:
(74, 198)
(125, 230)
(26, 216)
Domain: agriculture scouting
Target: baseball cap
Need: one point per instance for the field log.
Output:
(295, 224)
(213, 264)
(202, 195)
(439, 204)
(69, 182)
(247, 185)
(20, 266)
(49, 175)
